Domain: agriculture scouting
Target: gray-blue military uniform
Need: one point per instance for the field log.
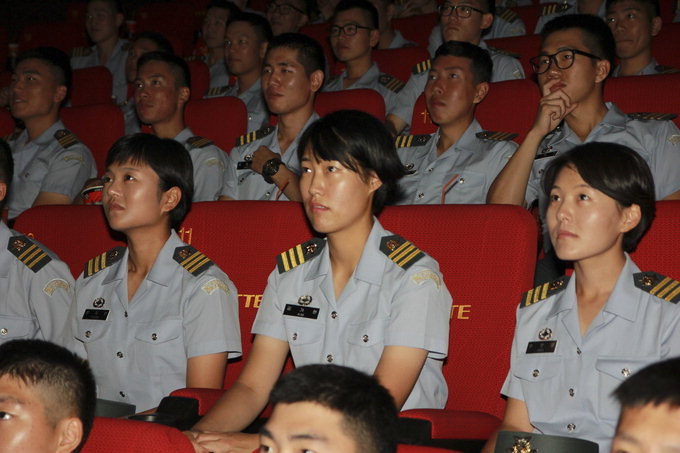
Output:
(138, 350)
(399, 41)
(54, 162)
(258, 113)
(219, 74)
(566, 379)
(388, 86)
(652, 68)
(242, 183)
(550, 12)
(130, 118)
(396, 297)
(209, 162)
(87, 57)
(656, 140)
(36, 289)
(505, 67)
(461, 174)
(506, 24)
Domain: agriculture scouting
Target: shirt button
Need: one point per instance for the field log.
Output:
(535, 373)
(571, 427)
(429, 170)
(625, 372)
(364, 338)
(119, 354)
(295, 336)
(154, 337)
(126, 314)
(334, 314)
(540, 172)
(267, 194)
(4, 331)
(421, 195)
(571, 392)
(122, 394)
(578, 351)
(461, 180)
(88, 334)
(329, 358)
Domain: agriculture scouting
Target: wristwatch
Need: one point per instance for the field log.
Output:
(270, 168)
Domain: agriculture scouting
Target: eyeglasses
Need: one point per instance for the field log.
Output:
(283, 8)
(462, 11)
(564, 59)
(347, 29)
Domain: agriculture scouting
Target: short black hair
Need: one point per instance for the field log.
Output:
(160, 41)
(258, 22)
(116, 5)
(597, 36)
(655, 384)
(368, 410)
(367, 7)
(6, 169)
(482, 66)
(360, 142)
(178, 67)
(165, 156)
(651, 6)
(309, 52)
(224, 4)
(618, 172)
(64, 376)
(58, 61)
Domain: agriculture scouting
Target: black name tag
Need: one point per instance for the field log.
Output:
(244, 165)
(99, 315)
(301, 312)
(538, 347)
(544, 155)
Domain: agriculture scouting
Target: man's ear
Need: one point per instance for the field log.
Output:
(263, 49)
(3, 190)
(657, 23)
(184, 94)
(316, 79)
(69, 434)
(602, 69)
(60, 94)
(487, 20)
(481, 90)
(374, 37)
(119, 19)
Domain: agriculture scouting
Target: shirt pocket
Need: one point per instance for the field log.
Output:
(301, 332)
(91, 331)
(469, 187)
(367, 334)
(15, 327)
(611, 372)
(159, 349)
(539, 377)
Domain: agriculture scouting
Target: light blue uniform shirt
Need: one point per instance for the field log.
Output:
(209, 162)
(371, 80)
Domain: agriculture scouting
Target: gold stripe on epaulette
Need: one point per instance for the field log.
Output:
(404, 253)
(198, 142)
(194, 261)
(509, 15)
(67, 140)
(422, 66)
(549, 9)
(652, 116)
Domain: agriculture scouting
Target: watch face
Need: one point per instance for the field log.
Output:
(270, 168)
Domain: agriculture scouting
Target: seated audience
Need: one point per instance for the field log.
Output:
(458, 163)
(390, 38)
(263, 165)
(329, 408)
(156, 315)
(47, 398)
(213, 32)
(366, 298)
(161, 93)
(50, 164)
(577, 337)
(288, 16)
(550, 12)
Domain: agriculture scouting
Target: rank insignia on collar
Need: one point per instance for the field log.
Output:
(103, 261)
(28, 252)
(402, 252)
(543, 291)
(658, 285)
(192, 260)
(407, 141)
(497, 136)
(297, 255)
(423, 66)
(254, 135)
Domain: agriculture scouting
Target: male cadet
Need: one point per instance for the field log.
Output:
(330, 408)
(462, 21)
(146, 41)
(458, 163)
(102, 21)
(161, 92)
(650, 410)
(47, 398)
(288, 16)
(36, 289)
(248, 35)
(506, 23)
(50, 164)
(213, 31)
(577, 52)
(549, 12)
(390, 38)
(353, 35)
(634, 24)
(264, 164)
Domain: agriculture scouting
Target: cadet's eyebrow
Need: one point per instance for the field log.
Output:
(12, 399)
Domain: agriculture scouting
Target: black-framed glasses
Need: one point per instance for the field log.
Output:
(347, 29)
(462, 11)
(564, 59)
(283, 8)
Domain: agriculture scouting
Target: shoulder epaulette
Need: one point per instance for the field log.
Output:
(497, 136)
(81, 51)
(28, 252)
(646, 116)
(423, 66)
(198, 142)
(542, 292)
(191, 58)
(391, 82)
(254, 135)
(507, 14)
(406, 141)
(503, 52)
(402, 252)
(65, 138)
(297, 255)
(103, 261)
(191, 259)
(658, 285)
(555, 8)
(216, 91)
(661, 69)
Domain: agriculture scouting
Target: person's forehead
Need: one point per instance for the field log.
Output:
(241, 28)
(281, 55)
(357, 15)
(16, 391)
(443, 62)
(473, 3)
(624, 5)
(35, 65)
(146, 45)
(155, 67)
(217, 12)
(99, 7)
(564, 39)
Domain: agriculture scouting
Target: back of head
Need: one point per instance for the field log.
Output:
(63, 379)
(166, 157)
(115, 5)
(618, 172)
(597, 36)
(360, 142)
(367, 408)
(259, 24)
(178, 67)
(367, 7)
(481, 64)
(224, 4)
(6, 170)
(655, 384)
(160, 41)
(651, 6)
(309, 52)
(58, 61)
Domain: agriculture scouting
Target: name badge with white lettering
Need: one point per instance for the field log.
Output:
(301, 312)
(538, 347)
(99, 315)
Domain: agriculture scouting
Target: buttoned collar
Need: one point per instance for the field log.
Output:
(372, 74)
(184, 135)
(47, 137)
(467, 142)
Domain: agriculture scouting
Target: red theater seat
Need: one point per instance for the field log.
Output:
(365, 99)
(416, 28)
(114, 435)
(200, 78)
(402, 448)
(62, 35)
(530, 14)
(221, 120)
(665, 45)
(400, 62)
(321, 33)
(658, 250)
(652, 93)
(91, 86)
(526, 47)
(6, 123)
(170, 19)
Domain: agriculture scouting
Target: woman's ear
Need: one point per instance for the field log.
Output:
(374, 183)
(170, 199)
(631, 217)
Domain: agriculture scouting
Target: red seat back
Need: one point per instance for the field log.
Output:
(399, 62)
(200, 78)
(650, 93)
(91, 86)
(62, 35)
(320, 32)
(364, 99)
(115, 435)
(86, 122)
(530, 14)
(658, 250)
(665, 45)
(416, 28)
(6, 123)
(221, 120)
(176, 18)
(526, 47)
